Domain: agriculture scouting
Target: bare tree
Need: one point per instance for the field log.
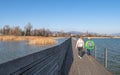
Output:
(1, 31)
(41, 32)
(16, 31)
(48, 32)
(28, 28)
(35, 32)
(6, 30)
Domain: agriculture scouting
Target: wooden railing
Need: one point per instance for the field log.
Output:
(53, 61)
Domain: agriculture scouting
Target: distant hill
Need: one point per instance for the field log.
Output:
(78, 32)
(116, 34)
(74, 32)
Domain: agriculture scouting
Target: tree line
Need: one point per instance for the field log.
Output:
(29, 31)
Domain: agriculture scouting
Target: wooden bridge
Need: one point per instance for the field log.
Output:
(86, 66)
(59, 60)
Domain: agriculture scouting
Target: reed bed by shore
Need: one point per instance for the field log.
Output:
(42, 41)
(33, 40)
(11, 38)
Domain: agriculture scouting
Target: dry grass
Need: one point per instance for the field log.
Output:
(11, 38)
(31, 39)
(42, 41)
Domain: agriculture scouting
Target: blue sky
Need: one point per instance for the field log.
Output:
(100, 16)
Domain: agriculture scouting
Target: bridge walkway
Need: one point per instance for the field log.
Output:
(87, 65)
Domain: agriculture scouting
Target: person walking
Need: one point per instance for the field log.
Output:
(80, 46)
(89, 45)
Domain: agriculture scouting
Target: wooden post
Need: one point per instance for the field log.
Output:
(95, 52)
(105, 57)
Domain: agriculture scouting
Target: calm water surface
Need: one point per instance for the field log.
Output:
(12, 50)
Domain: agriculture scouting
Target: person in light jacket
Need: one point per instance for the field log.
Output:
(80, 46)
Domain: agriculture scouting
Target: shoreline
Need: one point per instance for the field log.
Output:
(104, 37)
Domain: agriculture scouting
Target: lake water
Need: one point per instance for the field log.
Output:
(113, 46)
(13, 50)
